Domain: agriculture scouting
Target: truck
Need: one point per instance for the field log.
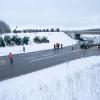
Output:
(86, 44)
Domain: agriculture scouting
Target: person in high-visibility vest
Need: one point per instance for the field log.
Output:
(10, 57)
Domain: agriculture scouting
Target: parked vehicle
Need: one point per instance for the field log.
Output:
(99, 46)
(86, 44)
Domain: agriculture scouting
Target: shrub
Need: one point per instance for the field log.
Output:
(37, 39)
(43, 30)
(52, 30)
(14, 38)
(57, 30)
(8, 39)
(47, 30)
(2, 43)
(17, 40)
(14, 31)
(44, 40)
(25, 40)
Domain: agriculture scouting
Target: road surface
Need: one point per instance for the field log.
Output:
(34, 61)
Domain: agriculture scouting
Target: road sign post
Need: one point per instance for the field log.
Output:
(67, 63)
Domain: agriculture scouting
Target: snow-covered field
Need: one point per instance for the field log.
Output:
(53, 37)
(75, 80)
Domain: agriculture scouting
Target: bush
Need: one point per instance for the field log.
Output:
(37, 39)
(57, 30)
(2, 43)
(43, 30)
(17, 40)
(25, 40)
(44, 40)
(14, 37)
(52, 30)
(8, 39)
(15, 31)
(47, 30)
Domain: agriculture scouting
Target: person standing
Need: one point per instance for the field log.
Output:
(61, 45)
(72, 47)
(23, 49)
(10, 57)
(54, 46)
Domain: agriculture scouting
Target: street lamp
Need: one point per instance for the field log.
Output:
(67, 63)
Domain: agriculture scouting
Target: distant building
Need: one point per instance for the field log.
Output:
(4, 28)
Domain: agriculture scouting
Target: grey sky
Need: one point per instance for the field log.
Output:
(67, 13)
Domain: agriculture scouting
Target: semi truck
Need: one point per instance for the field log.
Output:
(88, 44)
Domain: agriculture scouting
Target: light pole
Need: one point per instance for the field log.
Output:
(67, 63)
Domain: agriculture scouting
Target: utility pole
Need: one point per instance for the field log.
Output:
(67, 63)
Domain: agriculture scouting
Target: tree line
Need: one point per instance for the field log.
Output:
(36, 30)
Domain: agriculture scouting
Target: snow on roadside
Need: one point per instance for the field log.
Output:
(54, 37)
(76, 80)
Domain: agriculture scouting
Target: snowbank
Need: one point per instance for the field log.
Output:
(74, 80)
(54, 37)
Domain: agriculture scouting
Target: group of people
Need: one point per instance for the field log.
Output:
(58, 45)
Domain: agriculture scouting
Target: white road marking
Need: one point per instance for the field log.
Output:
(48, 54)
(30, 58)
(44, 56)
(37, 57)
(54, 56)
(61, 54)
(30, 53)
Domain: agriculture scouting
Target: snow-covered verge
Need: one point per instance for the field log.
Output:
(53, 37)
(74, 80)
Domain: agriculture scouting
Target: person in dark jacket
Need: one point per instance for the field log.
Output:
(72, 47)
(61, 45)
(23, 49)
(10, 57)
(54, 46)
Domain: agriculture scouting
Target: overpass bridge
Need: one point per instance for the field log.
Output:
(77, 34)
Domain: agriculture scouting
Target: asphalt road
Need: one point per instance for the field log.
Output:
(30, 62)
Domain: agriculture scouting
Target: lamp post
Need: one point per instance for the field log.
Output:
(67, 63)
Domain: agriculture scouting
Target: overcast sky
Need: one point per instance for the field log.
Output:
(67, 13)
